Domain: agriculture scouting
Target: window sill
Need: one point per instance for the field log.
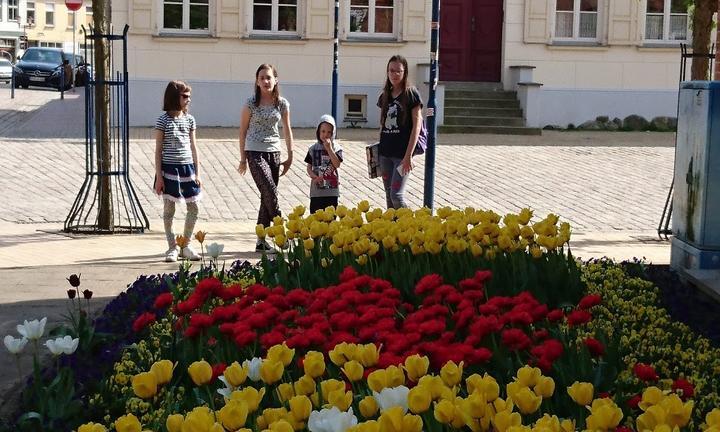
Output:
(576, 44)
(371, 42)
(661, 46)
(199, 37)
(274, 39)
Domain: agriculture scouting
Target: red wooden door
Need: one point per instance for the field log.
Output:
(470, 40)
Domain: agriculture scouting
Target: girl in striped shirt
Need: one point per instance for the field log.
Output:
(176, 163)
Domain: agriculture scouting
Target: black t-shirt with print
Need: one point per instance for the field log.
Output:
(394, 136)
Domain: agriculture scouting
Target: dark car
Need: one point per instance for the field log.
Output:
(43, 67)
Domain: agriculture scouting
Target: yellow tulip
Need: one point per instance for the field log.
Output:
(281, 425)
(363, 206)
(353, 370)
(535, 251)
(271, 371)
(416, 366)
(434, 384)
(174, 422)
(377, 380)
(548, 423)
(368, 355)
(234, 414)
(260, 231)
(527, 401)
(250, 395)
(475, 405)
(162, 370)
(200, 372)
(281, 353)
(314, 364)
(444, 412)
(545, 387)
(678, 413)
(604, 415)
(651, 396)
(504, 420)
(305, 385)
(412, 423)
(528, 376)
(419, 399)
(338, 354)
(271, 415)
(368, 407)
(301, 407)
(362, 259)
(144, 385)
(285, 391)
(395, 376)
(128, 423)
(567, 425)
(309, 244)
(653, 417)
(451, 373)
(486, 385)
(200, 419)
(341, 399)
(391, 420)
(713, 418)
(581, 392)
(92, 427)
(235, 374)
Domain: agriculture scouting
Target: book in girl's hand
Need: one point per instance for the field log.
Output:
(372, 152)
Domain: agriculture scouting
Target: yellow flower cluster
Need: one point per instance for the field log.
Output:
(662, 409)
(362, 231)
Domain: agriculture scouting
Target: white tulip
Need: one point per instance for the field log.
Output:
(15, 346)
(331, 420)
(253, 367)
(214, 249)
(64, 345)
(392, 397)
(32, 330)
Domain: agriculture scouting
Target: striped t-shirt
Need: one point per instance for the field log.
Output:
(176, 138)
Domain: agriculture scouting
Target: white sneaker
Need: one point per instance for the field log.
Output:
(189, 253)
(171, 255)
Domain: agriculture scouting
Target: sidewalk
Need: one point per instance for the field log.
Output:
(611, 187)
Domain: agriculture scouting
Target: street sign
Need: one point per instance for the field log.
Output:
(73, 5)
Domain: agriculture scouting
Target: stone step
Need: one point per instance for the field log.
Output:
(499, 130)
(480, 94)
(483, 112)
(481, 103)
(460, 85)
(483, 121)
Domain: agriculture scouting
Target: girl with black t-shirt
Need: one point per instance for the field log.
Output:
(400, 119)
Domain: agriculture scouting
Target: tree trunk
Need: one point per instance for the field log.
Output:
(701, 28)
(103, 72)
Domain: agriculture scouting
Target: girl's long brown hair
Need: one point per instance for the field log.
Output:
(171, 100)
(276, 89)
(387, 90)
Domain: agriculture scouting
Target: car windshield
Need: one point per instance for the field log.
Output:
(42, 56)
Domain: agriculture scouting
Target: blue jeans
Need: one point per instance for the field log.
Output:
(393, 182)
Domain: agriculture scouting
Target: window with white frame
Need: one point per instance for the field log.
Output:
(13, 14)
(576, 19)
(666, 20)
(372, 17)
(186, 15)
(30, 14)
(274, 16)
(49, 14)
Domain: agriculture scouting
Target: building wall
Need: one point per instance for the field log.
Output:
(221, 66)
(60, 32)
(619, 75)
(10, 30)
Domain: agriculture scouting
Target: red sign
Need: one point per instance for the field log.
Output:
(73, 5)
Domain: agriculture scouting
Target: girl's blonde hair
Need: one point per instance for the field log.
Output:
(276, 89)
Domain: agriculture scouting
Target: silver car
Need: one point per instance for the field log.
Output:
(5, 70)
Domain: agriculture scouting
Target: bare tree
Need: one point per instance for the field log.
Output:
(103, 71)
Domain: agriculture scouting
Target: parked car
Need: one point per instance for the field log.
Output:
(5, 70)
(43, 67)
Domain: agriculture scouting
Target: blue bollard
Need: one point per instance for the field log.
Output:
(62, 82)
(12, 82)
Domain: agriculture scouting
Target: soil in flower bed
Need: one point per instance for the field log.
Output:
(684, 301)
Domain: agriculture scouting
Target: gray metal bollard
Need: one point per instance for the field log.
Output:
(62, 82)
(12, 82)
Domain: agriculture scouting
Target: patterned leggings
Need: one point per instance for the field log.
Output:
(265, 170)
(169, 213)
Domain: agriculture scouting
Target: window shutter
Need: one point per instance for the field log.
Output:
(320, 18)
(228, 18)
(140, 17)
(416, 20)
(623, 22)
(537, 14)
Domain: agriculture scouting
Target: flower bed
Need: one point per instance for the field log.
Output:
(403, 321)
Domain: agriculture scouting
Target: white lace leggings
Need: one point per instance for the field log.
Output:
(168, 215)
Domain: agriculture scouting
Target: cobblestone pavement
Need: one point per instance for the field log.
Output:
(597, 181)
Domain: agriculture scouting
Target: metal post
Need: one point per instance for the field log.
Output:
(62, 80)
(335, 64)
(72, 62)
(431, 123)
(12, 82)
